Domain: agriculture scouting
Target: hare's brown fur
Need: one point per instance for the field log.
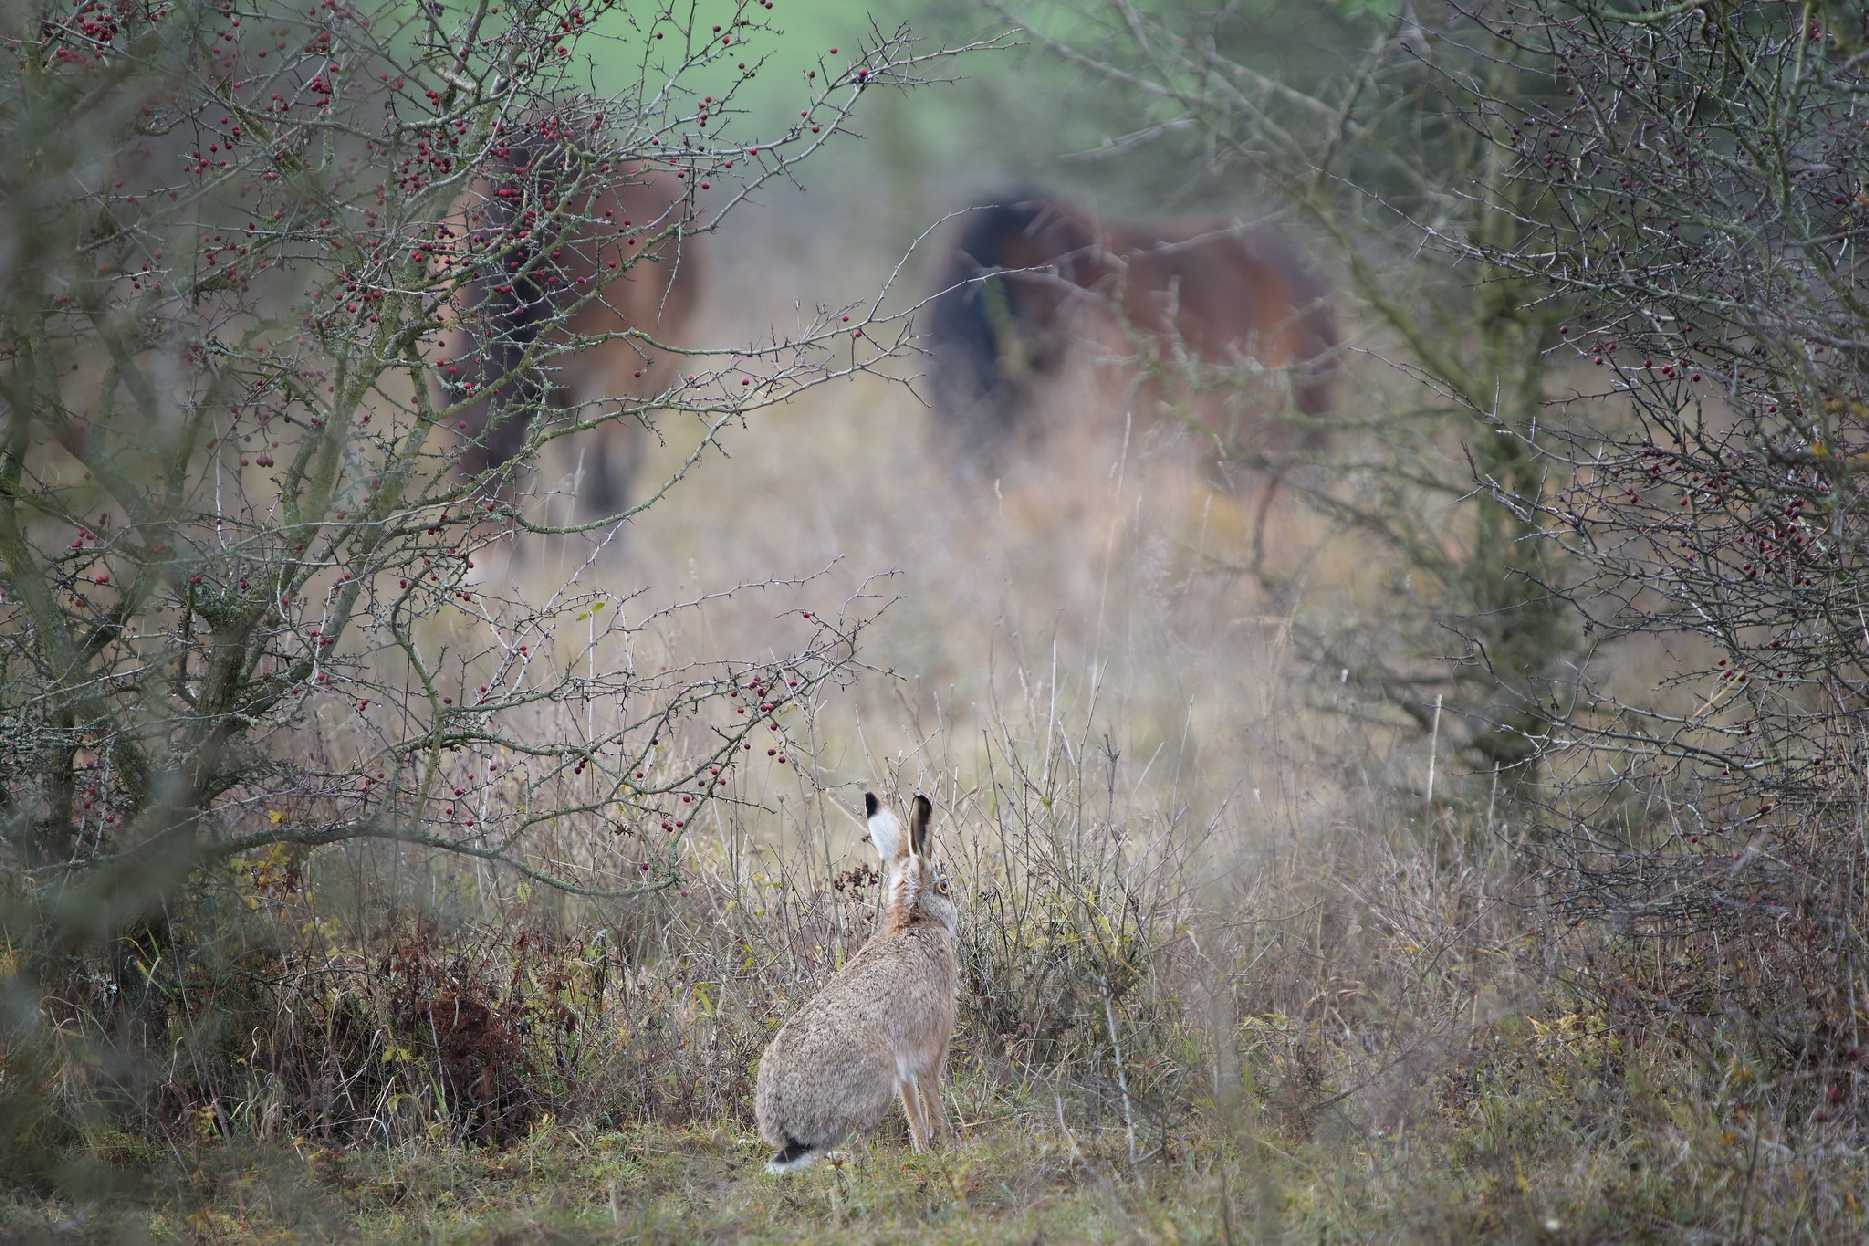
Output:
(877, 1031)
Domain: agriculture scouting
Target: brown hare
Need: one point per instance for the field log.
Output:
(879, 1030)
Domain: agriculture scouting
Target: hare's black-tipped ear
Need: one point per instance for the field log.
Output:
(918, 826)
(885, 830)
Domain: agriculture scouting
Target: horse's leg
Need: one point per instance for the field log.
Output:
(598, 493)
(597, 378)
(1266, 493)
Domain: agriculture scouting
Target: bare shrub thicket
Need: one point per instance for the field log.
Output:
(240, 620)
(1700, 171)
(1631, 279)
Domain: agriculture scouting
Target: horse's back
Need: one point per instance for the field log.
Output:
(660, 275)
(1225, 290)
(654, 293)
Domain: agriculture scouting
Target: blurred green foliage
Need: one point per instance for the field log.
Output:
(1017, 115)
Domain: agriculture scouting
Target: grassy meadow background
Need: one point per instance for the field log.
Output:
(1234, 971)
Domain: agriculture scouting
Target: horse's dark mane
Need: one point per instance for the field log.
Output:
(968, 379)
(997, 218)
(506, 307)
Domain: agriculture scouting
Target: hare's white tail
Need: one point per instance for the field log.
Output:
(794, 1157)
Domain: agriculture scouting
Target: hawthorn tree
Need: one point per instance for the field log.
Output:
(239, 613)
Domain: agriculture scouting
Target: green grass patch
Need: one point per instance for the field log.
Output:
(1513, 1149)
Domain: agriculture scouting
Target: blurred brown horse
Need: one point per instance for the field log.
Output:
(576, 265)
(1055, 275)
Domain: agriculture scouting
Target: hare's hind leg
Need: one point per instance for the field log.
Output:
(912, 1108)
(934, 1109)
